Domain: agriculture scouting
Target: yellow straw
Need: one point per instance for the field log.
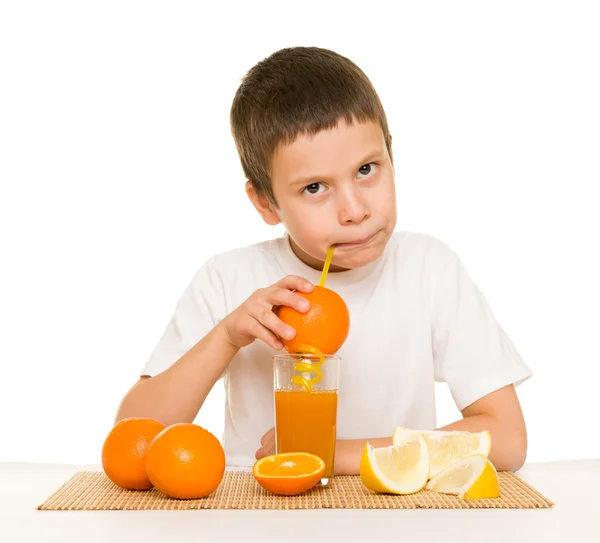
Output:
(326, 266)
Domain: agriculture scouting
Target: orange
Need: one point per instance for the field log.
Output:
(288, 474)
(124, 452)
(185, 461)
(324, 326)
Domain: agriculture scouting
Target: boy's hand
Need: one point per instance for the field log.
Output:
(267, 444)
(255, 319)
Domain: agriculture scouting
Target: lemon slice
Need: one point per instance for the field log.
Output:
(446, 446)
(397, 469)
(487, 485)
(470, 478)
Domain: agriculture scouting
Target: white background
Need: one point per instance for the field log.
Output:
(119, 178)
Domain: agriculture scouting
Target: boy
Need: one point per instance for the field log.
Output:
(314, 144)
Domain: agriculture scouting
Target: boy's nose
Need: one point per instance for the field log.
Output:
(352, 207)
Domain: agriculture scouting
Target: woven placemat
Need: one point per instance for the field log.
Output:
(92, 490)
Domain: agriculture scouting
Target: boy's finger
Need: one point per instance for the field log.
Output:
(271, 322)
(260, 332)
(282, 296)
(295, 282)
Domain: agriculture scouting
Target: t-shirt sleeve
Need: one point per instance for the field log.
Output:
(472, 353)
(198, 311)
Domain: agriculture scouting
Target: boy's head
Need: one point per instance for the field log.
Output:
(314, 144)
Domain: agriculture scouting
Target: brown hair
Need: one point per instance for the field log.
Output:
(297, 90)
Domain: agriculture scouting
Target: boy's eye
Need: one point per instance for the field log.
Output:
(313, 188)
(367, 169)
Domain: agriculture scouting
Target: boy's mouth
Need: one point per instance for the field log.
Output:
(355, 243)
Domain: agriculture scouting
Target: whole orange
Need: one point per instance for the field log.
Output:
(185, 461)
(324, 326)
(124, 452)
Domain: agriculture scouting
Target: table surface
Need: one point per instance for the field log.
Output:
(572, 485)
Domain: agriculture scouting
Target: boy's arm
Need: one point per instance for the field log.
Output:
(498, 412)
(177, 394)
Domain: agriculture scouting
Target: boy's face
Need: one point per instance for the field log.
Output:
(334, 188)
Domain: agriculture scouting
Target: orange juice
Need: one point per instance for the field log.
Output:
(305, 421)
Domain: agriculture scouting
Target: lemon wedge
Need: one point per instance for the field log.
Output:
(472, 477)
(446, 447)
(397, 469)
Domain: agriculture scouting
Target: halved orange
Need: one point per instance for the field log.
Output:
(288, 474)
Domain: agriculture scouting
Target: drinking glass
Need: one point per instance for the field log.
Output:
(306, 399)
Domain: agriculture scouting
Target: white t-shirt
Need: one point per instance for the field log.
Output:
(415, 317)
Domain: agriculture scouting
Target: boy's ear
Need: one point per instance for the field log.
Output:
(263, 205)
